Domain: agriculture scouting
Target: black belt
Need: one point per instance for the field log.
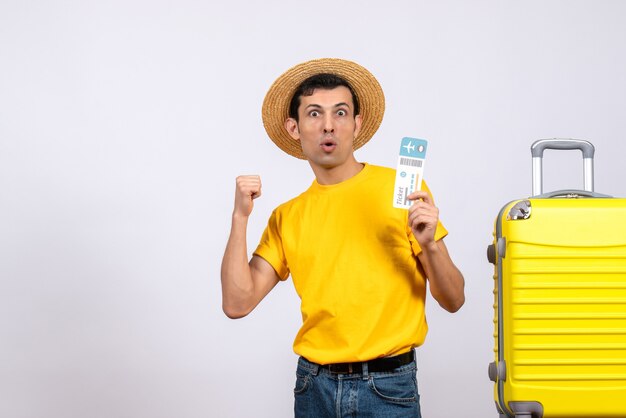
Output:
(384, 364)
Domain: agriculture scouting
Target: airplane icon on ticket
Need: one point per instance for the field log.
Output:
(413, 147)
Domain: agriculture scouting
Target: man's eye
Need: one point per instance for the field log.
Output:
(314, 113)
(342, 113)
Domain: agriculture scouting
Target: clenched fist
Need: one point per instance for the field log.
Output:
(248, 188)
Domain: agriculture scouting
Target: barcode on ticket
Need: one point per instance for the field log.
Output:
(411, 162)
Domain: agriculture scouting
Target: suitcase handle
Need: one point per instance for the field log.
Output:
(572, 194)
(541, 145)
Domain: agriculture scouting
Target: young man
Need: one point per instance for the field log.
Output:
(359, 265)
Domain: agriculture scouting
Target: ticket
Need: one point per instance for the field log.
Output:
(409, 171)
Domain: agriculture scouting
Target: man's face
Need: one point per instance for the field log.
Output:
(327, 127)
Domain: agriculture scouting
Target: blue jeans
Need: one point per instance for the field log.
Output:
(322, 394)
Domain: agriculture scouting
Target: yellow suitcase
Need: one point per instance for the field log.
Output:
(560, 300)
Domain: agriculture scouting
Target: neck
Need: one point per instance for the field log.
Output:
(337, 174)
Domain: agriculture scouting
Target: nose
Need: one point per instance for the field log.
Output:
(328, 125)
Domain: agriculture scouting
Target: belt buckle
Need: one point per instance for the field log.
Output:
(342, 368)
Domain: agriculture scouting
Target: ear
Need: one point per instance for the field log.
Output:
(292, 128)
(357, 125)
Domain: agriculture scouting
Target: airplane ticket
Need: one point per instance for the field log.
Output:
(409, 171)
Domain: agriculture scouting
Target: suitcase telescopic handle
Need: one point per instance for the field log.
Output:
(540, 146)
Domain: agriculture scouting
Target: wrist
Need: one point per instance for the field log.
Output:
(239, 217)
(430, 247)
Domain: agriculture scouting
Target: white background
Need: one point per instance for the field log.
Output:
(124, 123)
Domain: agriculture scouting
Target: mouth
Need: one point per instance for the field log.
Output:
(328, 145)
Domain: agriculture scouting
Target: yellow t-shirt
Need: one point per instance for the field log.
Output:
(352, 258)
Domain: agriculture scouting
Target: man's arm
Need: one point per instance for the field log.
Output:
(446, 281)
(244, 284)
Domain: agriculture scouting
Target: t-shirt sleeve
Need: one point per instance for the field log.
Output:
(440, 232)
(270, 248)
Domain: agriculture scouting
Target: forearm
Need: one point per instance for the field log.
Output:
(237, 283)
(445, 280)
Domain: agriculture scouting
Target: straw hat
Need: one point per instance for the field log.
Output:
(276, 104)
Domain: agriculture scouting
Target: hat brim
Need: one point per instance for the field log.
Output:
(275, 109)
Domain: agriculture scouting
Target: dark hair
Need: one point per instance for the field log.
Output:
(323, 81)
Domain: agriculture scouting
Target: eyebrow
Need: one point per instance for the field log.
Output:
(316, 106)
